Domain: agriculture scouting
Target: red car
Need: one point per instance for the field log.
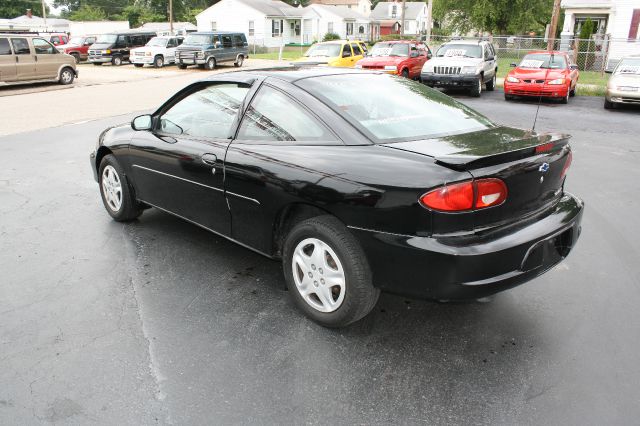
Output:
(78, 47)
(402, 57)
(543, 74)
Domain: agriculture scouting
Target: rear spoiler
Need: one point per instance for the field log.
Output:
(539, 144)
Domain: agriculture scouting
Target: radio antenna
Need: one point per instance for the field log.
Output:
(546, 74)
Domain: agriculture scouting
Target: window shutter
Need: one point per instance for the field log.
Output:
(635, 21)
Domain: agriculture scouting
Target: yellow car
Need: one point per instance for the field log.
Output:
(336, 53)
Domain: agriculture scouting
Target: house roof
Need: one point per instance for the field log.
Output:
(273, 8)
(38, 21)
(586, 4)
(164, 26)
(412, 10)
(336, 2)
(342, 11)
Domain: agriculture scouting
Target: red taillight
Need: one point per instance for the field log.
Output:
(464, 196)
(567, 163)
(544, 147)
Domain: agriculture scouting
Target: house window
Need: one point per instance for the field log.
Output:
(276, 27)
(252, 28)
(349, 28)
(394, 10)
(330, 27)
(361, 29)
(214, 26)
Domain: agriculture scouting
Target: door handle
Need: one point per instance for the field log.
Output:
(209, 159)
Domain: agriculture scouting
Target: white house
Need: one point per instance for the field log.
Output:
(269, 23)
(360, 6)
(36, 23)
(386, 17)
(618, 20)
(341, 20)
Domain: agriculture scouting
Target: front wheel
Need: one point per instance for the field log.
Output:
(609, 105)
(405, 73)
(211, 63)
(327, 273)
(116, 194)
(158, 62)
(182, 66)
(66, 76)
(138, 65)
(116, 61)
(477, 88)
(239, 61)
(565, 99)
(76, 57)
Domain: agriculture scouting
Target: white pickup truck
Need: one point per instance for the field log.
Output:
(158, 51)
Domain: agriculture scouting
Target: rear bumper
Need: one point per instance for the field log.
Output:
(437, 80)
(530, 89)
(469, 267)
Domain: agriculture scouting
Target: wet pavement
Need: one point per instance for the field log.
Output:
(159, 322)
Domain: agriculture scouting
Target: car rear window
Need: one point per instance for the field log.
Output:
(389, 109)
(5, 49)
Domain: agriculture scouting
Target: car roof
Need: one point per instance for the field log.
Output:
(289, 73)
(215, 32)
(546, 52)
(398, 41)
(466, 41)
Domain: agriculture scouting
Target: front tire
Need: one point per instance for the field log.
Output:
(327, 273)
(138, 65)
(238, 63)
(565, 100)
(405, 73)
(477, 88)
(76, 56)
(158, 61)
(182, 66)
(116, 61)
(66, 76)
(116, 193)
(609, 105)
(211, 63)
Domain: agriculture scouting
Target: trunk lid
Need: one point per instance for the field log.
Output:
(531, 166)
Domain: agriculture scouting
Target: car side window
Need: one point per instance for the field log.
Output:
(346, 51)
(274, 116)
(5, 49)
(238, 41)
(43, 47)
(171, 42)
(226, 42)
(20, 46)
(90, 40)
(209, 112)
(356, 49)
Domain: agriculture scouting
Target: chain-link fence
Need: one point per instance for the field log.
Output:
(599, 53)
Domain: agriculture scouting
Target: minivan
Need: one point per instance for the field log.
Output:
(32, 59)
(208, 49)
(115, 47)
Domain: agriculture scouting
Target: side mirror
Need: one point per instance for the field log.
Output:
(513, 65)
(490, 58)
(141, 122)
(414, 54)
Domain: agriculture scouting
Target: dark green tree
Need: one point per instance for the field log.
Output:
(10, 9)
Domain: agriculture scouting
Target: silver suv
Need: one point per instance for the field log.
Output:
(467, 64)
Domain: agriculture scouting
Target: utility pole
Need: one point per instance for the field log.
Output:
(171, 16)
(44, 14)
(402, 19)
(551, 37)
(429, 20)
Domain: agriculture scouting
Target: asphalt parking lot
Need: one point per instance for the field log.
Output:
(158, 322)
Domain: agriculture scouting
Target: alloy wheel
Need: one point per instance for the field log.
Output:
(112, 188)
(319, 275)
(66, 76)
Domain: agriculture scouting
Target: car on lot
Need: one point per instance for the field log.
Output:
(32, 59)
(357, 181)
(543, 74)
(624, 84)
(57, 39)
(115, 48)
(402, 57)
(336, 53)
(462, 64)
(208, 49)
(78, 47)
(157, 52)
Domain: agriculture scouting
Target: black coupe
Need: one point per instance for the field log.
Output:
(358, 181)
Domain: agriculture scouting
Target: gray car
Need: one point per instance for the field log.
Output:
(208, 49)
(624, 85)
(32, 59)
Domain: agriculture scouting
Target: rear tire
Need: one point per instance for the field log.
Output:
(66, 76)
(491, 85)
(477, 88)
(116, 193)
(327, 273)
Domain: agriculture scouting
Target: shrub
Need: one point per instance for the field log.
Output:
(331, 36)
